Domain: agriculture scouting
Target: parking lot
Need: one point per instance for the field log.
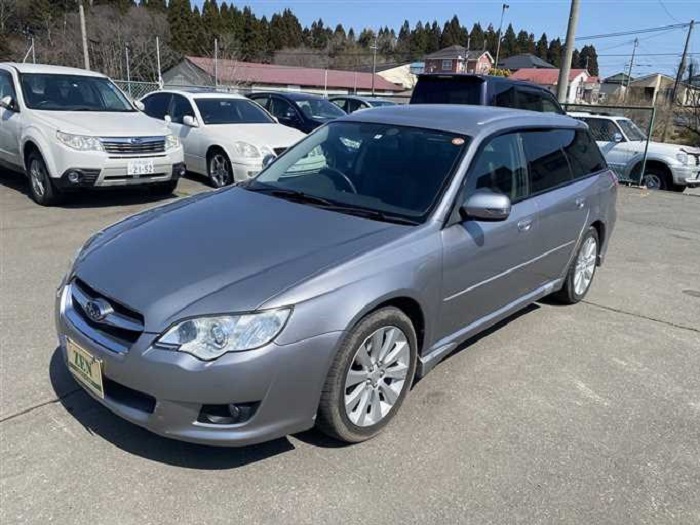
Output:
(586, 414)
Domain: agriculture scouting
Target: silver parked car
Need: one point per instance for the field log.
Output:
(316, 292)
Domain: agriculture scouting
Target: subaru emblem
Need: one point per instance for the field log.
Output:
(98, 309)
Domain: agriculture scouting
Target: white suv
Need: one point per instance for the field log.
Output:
(225, 136)
(70, 128)
(668, 166)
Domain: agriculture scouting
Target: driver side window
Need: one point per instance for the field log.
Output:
(500, 167)
(281, 108)
(7, 89)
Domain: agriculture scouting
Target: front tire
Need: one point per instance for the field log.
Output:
(219, 169)
(370, 377)
(582, 270)
(41, 188)
(655, 179)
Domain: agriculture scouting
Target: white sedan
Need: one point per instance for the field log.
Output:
(226, 137)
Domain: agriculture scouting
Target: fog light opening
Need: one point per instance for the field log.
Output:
(230, 414)
(74, 177)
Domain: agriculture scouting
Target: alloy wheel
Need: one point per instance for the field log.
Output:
(585, 266)
(37, 176)
(377, 376)
(653, 182)
(219, 170)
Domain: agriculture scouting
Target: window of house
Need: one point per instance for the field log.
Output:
(447, 65)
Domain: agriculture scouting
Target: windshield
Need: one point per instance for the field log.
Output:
(231, 111)
(72, 93)
(381, 103)
(631, 130)
(394, 171)
(318, 108)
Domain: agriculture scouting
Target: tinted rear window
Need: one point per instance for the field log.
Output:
(584, 155)
(544, 151)
(448, 90)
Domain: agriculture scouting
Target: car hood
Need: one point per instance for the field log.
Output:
(103, 123)
(272, 135)
(226, 251)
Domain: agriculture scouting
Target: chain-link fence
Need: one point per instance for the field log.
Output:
(623, 135)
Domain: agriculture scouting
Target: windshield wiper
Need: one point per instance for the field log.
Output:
(374, 214)
(294, 195)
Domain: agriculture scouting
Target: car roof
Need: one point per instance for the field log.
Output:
(292, 95)
(195, 94)
(358, 97)
(51, 70)
(486, 78)
(461, 119)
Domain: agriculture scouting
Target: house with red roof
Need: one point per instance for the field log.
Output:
(583, 87)
(202, 71)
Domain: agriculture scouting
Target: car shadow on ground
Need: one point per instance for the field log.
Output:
(95, 198)
(98, 420)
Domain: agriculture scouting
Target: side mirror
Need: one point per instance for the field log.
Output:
(290, 114)
(167, 119)
(617, 137)
(267, 160)
(486, 206)
(189, 120)
(8, 103)
(139, 105)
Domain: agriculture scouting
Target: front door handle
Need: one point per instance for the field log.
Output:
(580, 202)
(525, 225)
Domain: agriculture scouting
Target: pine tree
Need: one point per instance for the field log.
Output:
(542, 47)
(576, 60)
(554, 52)
(180, 20)
(588, 53)
(476, 37)
(509, 45)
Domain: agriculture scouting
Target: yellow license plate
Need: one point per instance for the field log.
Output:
(85, 368)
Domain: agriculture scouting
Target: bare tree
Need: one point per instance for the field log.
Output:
(7, 10)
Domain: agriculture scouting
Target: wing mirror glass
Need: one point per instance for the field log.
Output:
(268, 159)
(617, 137)
(290, 114)
(189, 120)
(8, 103)
(167, 119)
(486, 206)
(139, 105)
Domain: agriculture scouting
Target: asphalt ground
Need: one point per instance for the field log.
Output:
(577, 414)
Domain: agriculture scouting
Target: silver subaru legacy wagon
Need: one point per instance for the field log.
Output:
(315, 293)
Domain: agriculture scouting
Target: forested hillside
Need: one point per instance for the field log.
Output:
(184, 29)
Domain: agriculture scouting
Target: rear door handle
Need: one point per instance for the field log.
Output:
(525, 225)
(580, 202)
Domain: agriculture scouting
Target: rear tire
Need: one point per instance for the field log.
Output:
(369, 378)
(41, 187)
(582, 270)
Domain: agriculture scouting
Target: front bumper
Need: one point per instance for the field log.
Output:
(687, 175)
(244, 171)
(109, 170)
(285, 382)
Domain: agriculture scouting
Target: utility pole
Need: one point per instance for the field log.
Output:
(469, 42)
(374, 61)
(128, 69)
(681, 67)
(160, 78)
(563, 83)
(216, 62)
(33, 52)
(83, 32)
(629, 71)
(500, 26)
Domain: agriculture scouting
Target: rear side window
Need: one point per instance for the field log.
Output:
(544, 150)
(505, 97)
(264, 101)
(156, 105)
(602, 130)
(181, 108)
(584, 156)
(536, 101)
(448, 90)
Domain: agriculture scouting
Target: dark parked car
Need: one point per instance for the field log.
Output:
(483, 90)
(302, 111)
(316, 292)
(352, 103)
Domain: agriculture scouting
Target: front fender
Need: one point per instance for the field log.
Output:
(34, 135)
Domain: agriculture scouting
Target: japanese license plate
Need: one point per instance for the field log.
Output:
(85, 368)
(139, 167)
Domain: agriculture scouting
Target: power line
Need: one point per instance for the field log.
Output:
(667, 11)
(645, 54)
(635, 32)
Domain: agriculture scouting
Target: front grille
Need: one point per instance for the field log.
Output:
(120, 328)
(128, 396)
(279, 151)
(133, 145)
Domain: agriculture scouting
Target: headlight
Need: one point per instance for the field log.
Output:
(682, 158)
(171, 142)
(80, 142)
(245, 150)
(208, 338)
